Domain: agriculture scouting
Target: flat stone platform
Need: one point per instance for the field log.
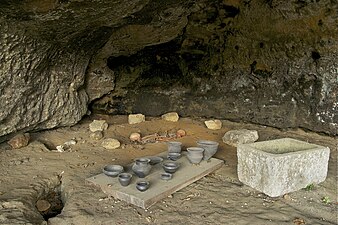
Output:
(159, 189)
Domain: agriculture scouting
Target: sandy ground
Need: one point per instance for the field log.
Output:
(28, 173)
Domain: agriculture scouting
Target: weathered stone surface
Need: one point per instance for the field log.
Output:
(50, 63)
(242, 136)
(281, 166)
(110, 143)
(213, 124)
(19, 141)
(266, 62)
(98, 125)
(97, 135)
(171, 116)
(136, 118)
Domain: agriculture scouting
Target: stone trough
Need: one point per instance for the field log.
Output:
(281, 166)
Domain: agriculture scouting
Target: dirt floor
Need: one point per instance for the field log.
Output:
(29, 173)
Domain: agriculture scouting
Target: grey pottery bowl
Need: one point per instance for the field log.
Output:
(166, 176)
(142, 185)
(210, 148)
(112, 170)
(174, 156)
(170, 167)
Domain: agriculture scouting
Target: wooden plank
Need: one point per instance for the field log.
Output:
(159, 189)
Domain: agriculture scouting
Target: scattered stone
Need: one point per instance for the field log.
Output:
(97, 135)
(181, 133)
(172, 116)
(136, 118)
(60, 148)
(69, 143)
(213, 124)
(42, 205)
(19, 141)
(111, 143)
(242, 136)
(98, 125)
(135, 137)
(287, 197)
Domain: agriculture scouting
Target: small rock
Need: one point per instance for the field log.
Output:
(135, 137)
(69, 143)
(111, 143)
(242, 136)
(42, 205)
(97, 135)
(287, 197)
(136, 118)
(19, 141)
(172, 116)
(180, 133)
(98, 125)
(213, 124)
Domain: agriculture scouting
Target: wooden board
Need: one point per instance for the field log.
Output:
(158, 189)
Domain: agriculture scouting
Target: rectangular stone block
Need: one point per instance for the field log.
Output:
(281, 166)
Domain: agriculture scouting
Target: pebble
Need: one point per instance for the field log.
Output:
(171, 116)
(213, 124)
(242, 136)
(136, 118)
(19, 141)
(42, 205)
(97, 135)
(98, 125)
(110, 143)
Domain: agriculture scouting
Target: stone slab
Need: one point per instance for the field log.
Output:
(281, 166)
(158, 189)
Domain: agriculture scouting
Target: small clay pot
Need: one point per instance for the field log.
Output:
(112, 170)
(166, 176)
(170, 167)
(125, 178)
(174, 146)
(141, 167)
(142, 185)
(210, 148)
(174, 156)
(195, 154)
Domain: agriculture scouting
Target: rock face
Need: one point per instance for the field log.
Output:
(266, 62)
(48, 49)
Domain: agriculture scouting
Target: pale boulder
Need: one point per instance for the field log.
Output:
(98, 125)
(136, 118)
(110, 143)
(241, 136)
(171, 116)
(213, 124)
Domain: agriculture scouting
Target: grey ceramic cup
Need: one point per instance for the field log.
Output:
(125, 178)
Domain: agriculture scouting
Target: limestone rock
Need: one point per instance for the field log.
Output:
(213, 124)
(42, 205)
(111, 143)
(136, 118)
(98, 125)
(171, 116)
(19, 141)
(280, 166)
(242, 136)
(97, 135)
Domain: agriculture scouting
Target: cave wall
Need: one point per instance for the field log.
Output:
(267, 62)
(48, 47)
